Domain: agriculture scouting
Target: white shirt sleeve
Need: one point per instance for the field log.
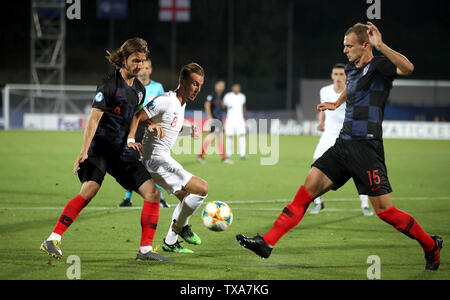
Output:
(157, 106)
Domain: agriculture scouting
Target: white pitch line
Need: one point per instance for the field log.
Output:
(440, 198)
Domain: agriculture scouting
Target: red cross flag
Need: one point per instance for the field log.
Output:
(175, 10)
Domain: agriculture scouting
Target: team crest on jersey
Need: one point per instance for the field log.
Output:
(366, 69)
(99, 97)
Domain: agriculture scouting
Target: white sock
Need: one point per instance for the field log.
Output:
(364, 200)
(230, 145)
(145, 249)
(54, 236)
(172, 237)
(184, 210)
(242, 145)
(191, 204)
(318, 200)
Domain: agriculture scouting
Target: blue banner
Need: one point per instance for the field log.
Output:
(112, 9)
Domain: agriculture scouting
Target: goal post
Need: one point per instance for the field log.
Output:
(30, 106)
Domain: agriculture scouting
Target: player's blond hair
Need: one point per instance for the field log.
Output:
(360, 30)
(188, 69)
(130, 46)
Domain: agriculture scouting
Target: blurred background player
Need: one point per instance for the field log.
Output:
(330, 122)
(236, 115)
(359, 151)
(168, 110)
(104, 149)
(215, 108)
(152, 89)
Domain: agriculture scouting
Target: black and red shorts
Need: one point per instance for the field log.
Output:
(127, 169)
(362, 160)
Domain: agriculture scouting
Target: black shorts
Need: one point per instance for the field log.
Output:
(362, 160)
(127, 169)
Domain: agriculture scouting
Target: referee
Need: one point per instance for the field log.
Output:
(105, 149)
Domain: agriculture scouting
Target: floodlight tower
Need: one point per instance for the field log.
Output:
(47, 47)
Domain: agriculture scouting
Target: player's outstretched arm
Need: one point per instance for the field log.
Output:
(404, 66)
(333, 105)
(89, 132)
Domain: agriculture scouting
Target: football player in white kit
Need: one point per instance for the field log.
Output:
(330, 122)
(236, 116)
(167, 110)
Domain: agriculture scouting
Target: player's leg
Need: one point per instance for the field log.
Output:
(52, 245)
(208, 140)
(407, 225)
(328, 172)
(91, 177)
(365, 206)
(191, 198)
(126, 202)
(316, 184)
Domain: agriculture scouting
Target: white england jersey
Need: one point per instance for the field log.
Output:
(235, 106)
(333, 118)
(167, 111)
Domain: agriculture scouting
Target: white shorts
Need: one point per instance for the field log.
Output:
(168, 173)
(235, 127)
(326, 141)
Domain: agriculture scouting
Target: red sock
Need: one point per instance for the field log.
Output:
(149, 221)
(221, 150)
(406, 224)
(290, 217)
(204, 147)
(69, 214)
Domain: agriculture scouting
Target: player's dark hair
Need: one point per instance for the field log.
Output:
(188, 69)
(361, 32)
(129, 47)
(339, 66)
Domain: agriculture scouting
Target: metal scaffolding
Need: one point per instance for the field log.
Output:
(47, 47)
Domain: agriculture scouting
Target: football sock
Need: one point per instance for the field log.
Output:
(407, 225)
(149, 222)
(318, 200)
(128, 194)
(242, 145)
(290, 217)
(171, 237)
(160, 191)
(364, 200)
(229, 145)
(184, 210)
(69, 214)
(204, 147)
(54, 237)
(221, 150)
(145, 249)
(191, 204)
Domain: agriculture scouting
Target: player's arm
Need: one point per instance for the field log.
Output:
(404, 66)
(321, 117)
(244, 110)
(333, 105)
(89, 132)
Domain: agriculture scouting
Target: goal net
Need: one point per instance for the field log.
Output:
(46, 107)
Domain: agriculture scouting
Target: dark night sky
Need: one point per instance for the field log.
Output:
(418, 29)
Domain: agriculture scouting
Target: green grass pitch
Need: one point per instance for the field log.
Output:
(37, 181)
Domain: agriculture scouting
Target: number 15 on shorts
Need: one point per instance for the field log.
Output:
(374, 179)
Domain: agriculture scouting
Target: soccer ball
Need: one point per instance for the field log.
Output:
(217, 216)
